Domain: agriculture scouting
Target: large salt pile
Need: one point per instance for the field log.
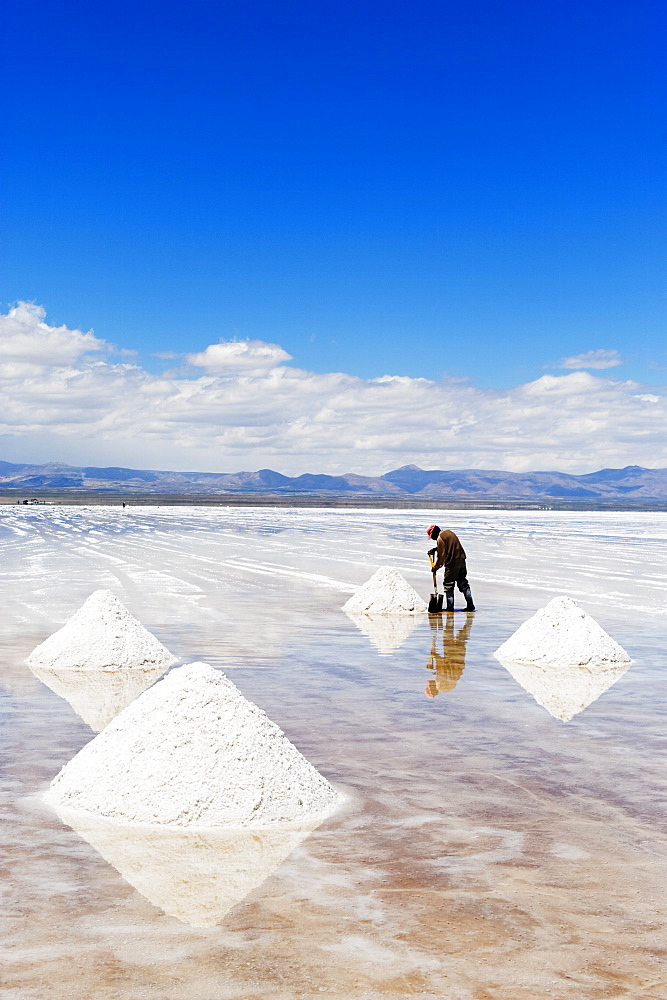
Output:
(386, 593)
(193, 752)
(196, 876)
(561, 634)
(101, 635)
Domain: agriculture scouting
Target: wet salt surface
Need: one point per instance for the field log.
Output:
(488, 850)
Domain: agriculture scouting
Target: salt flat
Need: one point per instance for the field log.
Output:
(176, 565)
(489, 849)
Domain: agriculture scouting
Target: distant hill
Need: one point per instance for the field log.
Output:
(631, 483)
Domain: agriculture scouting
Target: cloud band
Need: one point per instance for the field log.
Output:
(62, 390)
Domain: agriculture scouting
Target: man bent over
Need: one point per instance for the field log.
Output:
(450, 553)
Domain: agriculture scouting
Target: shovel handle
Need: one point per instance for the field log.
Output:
(435, 582)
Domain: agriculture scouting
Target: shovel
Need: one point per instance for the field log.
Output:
(435, 602)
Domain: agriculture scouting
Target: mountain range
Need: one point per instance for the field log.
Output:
(631, 483)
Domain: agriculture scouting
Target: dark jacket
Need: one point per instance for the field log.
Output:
(450, 550)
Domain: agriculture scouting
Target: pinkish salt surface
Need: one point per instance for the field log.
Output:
(488, 850)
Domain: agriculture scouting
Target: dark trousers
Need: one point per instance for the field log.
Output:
(456, 573)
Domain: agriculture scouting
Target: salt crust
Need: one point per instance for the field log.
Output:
(193, 752)
(101, 635)
(386, 593)
(561, 634)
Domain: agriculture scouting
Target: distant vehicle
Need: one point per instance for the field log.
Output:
(32, 500)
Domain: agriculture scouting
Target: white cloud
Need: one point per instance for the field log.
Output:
(592, 359)
(70, 407)
(240, 357)
(27, 342)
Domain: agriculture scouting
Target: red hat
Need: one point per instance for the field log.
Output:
(430, 529)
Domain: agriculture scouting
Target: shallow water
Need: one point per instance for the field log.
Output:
(487, 849)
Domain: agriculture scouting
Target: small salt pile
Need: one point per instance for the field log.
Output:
(101, 635)
(561, 634)
(193, 752)
(386, 593)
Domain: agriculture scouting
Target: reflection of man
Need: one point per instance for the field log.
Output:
(448, 665)
(450, 553)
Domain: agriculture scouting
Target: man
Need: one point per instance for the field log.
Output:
(450, 553)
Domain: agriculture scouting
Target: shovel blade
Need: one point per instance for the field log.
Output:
(435, 604)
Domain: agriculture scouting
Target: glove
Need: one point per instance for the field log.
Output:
(432, 552)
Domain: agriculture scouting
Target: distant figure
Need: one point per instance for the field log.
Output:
(123, 505)
(447, 666)
(450, 554)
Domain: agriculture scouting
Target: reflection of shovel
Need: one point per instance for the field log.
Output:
(435, 602)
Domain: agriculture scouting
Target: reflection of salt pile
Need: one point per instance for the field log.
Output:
(564, 691)
(193, 752)
(196, 876)
(386, 632)
(563, 658)
(99, 695)
(101, 635)
(386, 593)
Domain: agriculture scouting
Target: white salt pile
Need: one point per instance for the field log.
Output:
(197, 876)
(561, 634)
(193, 752)
(101, 635)
(386, 632)
(386, 593)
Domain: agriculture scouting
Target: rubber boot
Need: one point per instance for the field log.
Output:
(449, 597)
(467, 593)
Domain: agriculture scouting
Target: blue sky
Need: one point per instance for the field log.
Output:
(403, 188)
(432, 190)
